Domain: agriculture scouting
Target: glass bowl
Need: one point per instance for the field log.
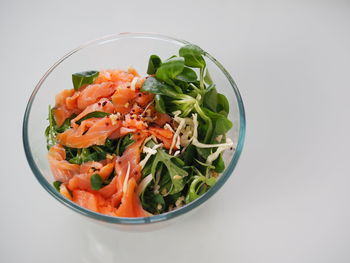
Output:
(119, 52)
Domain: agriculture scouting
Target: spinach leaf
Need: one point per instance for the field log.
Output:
(96, 182)
(160, 105)
(187, 75)
(223, 105)
(220, 126)
(219, 164)
(193, 56)
(154, 86)
(94, 114)
(220, 123)
(210, 99)
(208, 123)
(154, 63)
(207, 78)
(57, 185)
(170, 68)
(81, 78)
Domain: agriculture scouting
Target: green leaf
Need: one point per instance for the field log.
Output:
(210, 99)
(219, 164)
(223, 105)
(154, 86)
(221, 125)
(194, 187)
(170, 68)
(160, 105)
(57, 185)
(199, 186)
(94, 114)
(193, 56)
(207, 78)
(50, 131)
(151, 201)
(187, 75)
(96, 182)
(208, 123)
(81, 78)
(176, 173)
(154, 63)
(189, 155)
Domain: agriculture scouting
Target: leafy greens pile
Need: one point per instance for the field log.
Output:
(182, 179)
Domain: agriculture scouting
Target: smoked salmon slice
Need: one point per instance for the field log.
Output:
(61, 169)
(96, 134)
(103, 105)
(92, 93)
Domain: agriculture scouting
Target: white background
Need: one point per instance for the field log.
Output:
(288, 200)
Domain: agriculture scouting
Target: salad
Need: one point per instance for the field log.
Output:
(130, 146)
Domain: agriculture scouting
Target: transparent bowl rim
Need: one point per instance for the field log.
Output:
(140, 220)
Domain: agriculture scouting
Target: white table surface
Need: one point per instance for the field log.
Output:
(288, 200)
